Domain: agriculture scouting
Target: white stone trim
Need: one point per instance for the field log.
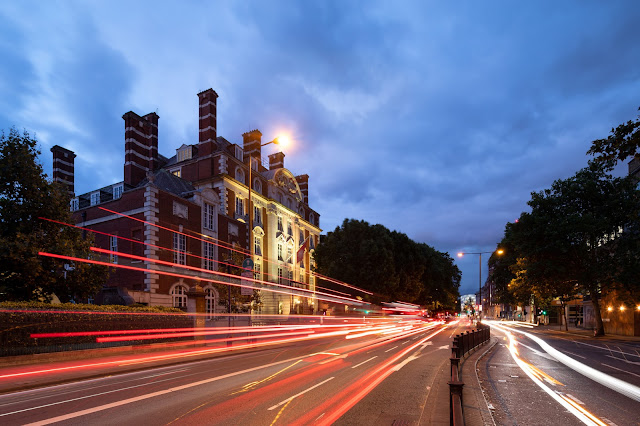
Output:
(66, 163)
(208, 128)
(110, 217)
(202, 117)
(137, 132)
(207, 104)
(55, 169)
(130, 151)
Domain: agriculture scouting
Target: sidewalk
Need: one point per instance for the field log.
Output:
(572, 329)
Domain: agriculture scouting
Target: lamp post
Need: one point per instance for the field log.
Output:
(480, 253)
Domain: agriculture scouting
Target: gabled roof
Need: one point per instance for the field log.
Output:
(169, 182)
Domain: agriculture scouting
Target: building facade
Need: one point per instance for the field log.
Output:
(177, 221)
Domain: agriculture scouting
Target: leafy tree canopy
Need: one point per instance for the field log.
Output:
(25, 196)
(580, 237)
(389, 264)
(622, 143)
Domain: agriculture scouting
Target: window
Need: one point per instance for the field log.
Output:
(208, 221)
(117, 191)
(257, 186)
(113, 246)
(257, 274)
(239, 206)
(290, 277)
(257, 246)
(312, 218)
(95, 198)
(210, 301)
(184, 153)
(280, 228)
(257, 214)
(240, 175)
(254, 164)
(176, 172)
(179, 296)
(280, 252)
(289, 230)
(180, 249)
(74, 203)
(279, 275)
(301, 237)
(208, 255)
(289, 254)
(239, 153)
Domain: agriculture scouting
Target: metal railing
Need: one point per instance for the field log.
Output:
(462, 345)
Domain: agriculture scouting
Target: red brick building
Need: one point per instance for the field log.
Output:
(188, 209)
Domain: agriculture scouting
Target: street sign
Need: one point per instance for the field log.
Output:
(245, 291)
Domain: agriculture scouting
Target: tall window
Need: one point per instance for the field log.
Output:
(289, 229)
(257, 214)
(290, 277)
(208, 220)
(257, 246)
(257, 186)
(239, 206)
(113, 246)
(95, 198)
(280, 275)
(75, 204)
(117, 191)
(179, 296)
(180, 249)
(280, 252)
(239, 153)
(240, 175)
(210, 301)
(289, 254)
(280, 227)
(207, 254)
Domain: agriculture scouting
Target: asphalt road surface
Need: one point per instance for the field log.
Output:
(368, 379)
(534, 378)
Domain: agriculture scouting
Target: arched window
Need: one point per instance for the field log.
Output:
(210, 301)
(179, 296)
(240, 175)
(257, 185)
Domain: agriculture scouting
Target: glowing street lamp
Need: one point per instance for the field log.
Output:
(460, 254)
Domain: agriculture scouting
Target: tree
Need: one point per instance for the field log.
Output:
(26, 196)
(573, 241)
(622, 143)
(389, 264)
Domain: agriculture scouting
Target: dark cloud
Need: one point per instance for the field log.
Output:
(433, 119)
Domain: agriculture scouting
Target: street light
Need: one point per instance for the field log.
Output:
(480, 253)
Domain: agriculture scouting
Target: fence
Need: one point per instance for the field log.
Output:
(462, 345)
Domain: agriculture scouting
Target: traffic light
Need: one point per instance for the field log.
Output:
(544, 312)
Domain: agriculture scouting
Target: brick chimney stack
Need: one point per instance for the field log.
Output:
(207, 121)
(251, 142)
(140, 146)
(63, 167)
(276, 161)
(303, 183)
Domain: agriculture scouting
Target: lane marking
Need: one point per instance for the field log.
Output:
(620, 369)
(623, 360)
(364, 362)
(154, 394)
(298, 394)
(388, 350)
(571, 353)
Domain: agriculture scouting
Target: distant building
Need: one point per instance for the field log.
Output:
(200, 193)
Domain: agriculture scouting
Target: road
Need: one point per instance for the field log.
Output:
(539, 378)
(361, 378)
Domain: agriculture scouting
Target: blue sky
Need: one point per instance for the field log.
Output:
(436, 119)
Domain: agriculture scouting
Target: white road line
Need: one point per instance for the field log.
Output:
(154, 394)
(364, 362)
(571, 353)
(81, 397)
(388, 350)
(620, 369)
(623, 360)
(298, 394)
(574, 398)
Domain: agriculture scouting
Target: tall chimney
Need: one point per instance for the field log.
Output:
(207, 121)
(63, 167)
(251, 143)
(276, 161)
(303, 183)
(140, 146)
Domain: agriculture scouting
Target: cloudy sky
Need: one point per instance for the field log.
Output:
(436, 119)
